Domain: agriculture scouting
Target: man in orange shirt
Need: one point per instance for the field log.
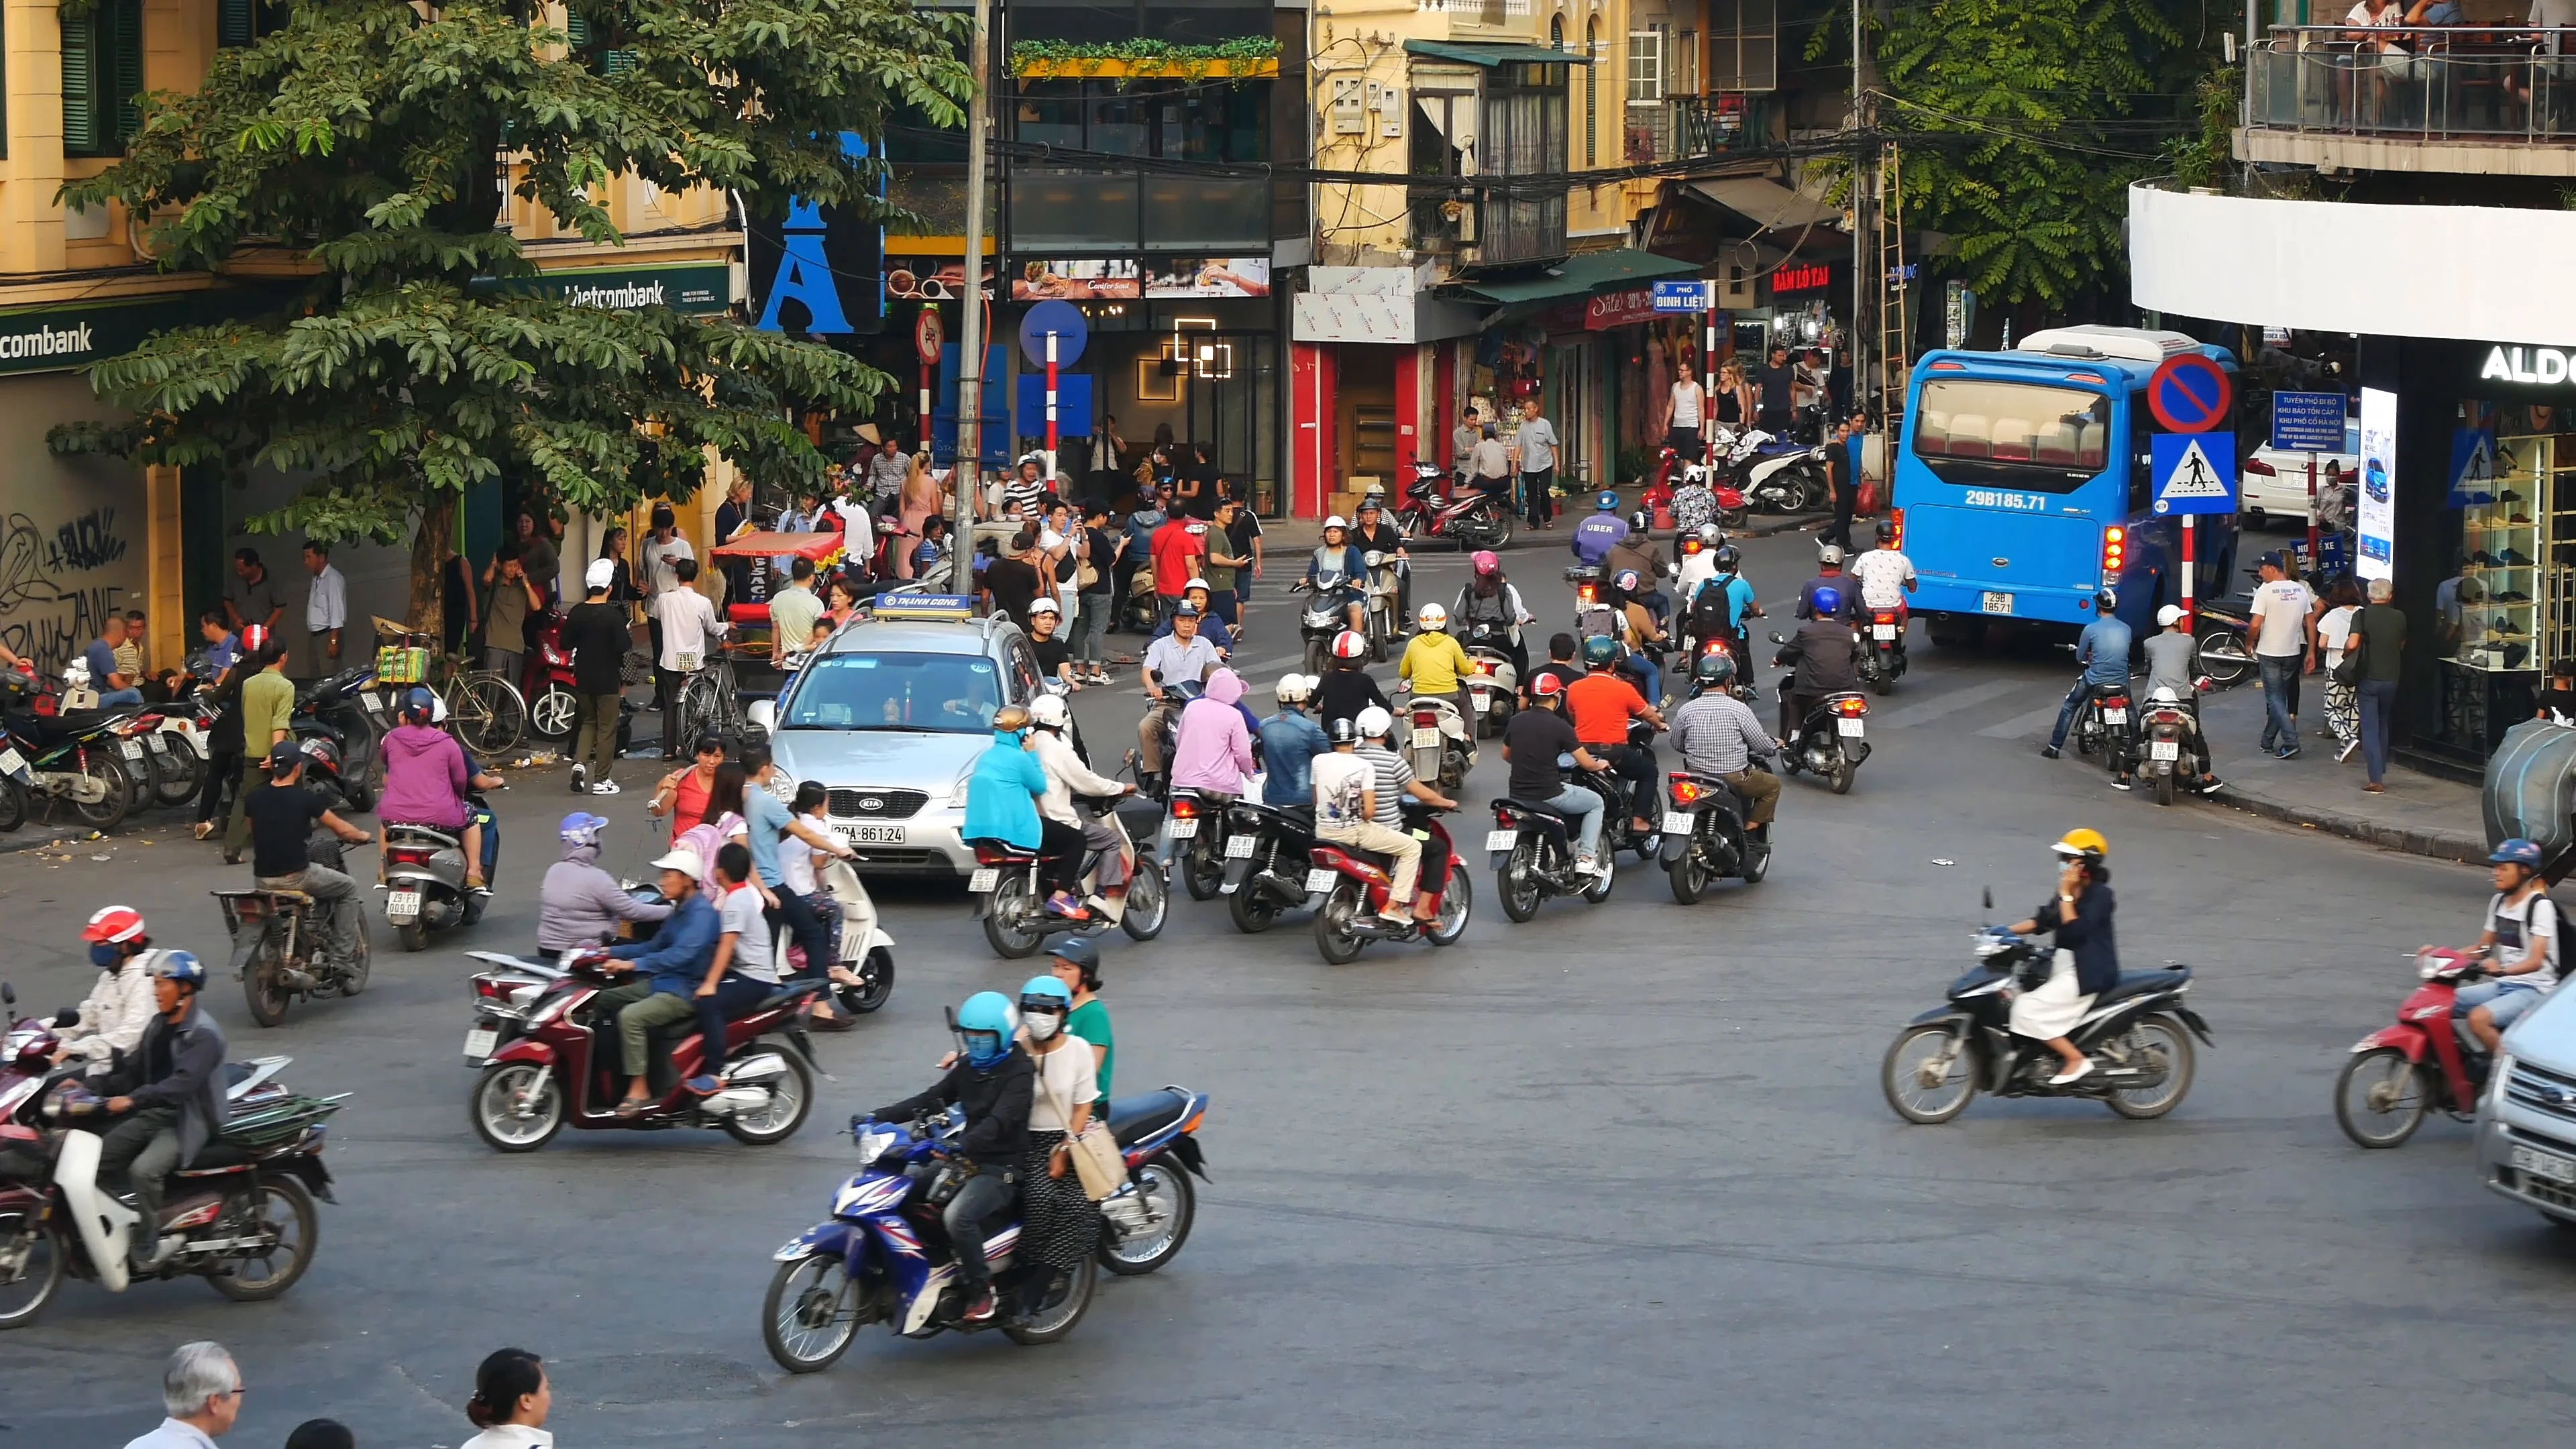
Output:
(1601, 704)
(1177, 546)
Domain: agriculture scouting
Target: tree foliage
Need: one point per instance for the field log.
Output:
(2044, 112)
(361, 149)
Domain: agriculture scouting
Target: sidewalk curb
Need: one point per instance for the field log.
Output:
(2432, 844)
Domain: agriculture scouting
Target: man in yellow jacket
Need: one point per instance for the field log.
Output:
(1435, 664)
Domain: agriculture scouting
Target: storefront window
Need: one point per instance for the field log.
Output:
(2508, 603)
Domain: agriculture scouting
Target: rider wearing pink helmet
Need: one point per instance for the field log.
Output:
(1490, 598)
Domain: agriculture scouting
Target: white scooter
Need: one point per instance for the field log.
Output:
(1493, 691)
(1438, 745)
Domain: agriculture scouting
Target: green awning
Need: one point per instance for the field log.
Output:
(1581, 275)
(1492, 53)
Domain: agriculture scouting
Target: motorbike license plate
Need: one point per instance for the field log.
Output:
(1995, 603)
(1882, 631)
(1319, 879)
(1501, 839)
(1185, 829)
(1849, 728)
(870, 834)
(480, 1041)
(14, 765)
(982, 880)
(1239, 848)
(1676, 823)
(2164, 749)
(402, 903)
(2544, 1164)
(131, 749)
(1425, 737)
(2115, 716)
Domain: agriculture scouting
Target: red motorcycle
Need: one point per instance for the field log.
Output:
(1432, 510)
(548, 1054)
(2387, 1087)
(1353, 885)
(1670, 469)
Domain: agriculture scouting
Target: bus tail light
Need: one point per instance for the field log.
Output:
(2115, 552)
(1896, 523)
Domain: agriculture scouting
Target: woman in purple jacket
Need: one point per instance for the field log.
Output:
(426, 781)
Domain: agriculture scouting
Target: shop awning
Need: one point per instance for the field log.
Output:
(1581, 275)
(1769, 205)
(1492, 53)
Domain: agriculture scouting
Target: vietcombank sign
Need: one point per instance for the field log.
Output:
(75, 343)
(684, 287)
(56, 339)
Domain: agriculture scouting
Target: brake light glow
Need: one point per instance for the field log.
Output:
(1583, 594)
(994, 855)
(2257, 465)
(1850, 706)
(1882, 616)
(2115, 551)
(1685, 791)
(407, 854)
(1184, 808)
(1425, 719)
(1896, 521)
(1949, 367)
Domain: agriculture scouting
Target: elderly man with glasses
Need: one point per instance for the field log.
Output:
(201, 1391)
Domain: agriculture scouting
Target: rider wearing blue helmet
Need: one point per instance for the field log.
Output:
(2521, 944)
(1595, 536)
(991, 1080)
(1058, 1224)
(169, 1093)
(1822, 652)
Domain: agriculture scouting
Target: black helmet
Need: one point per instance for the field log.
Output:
(321, 754)
(1343, 732)
(1078, 950)
(1714, 668)
(1887, 530)
(2106, 598)
(1728, 558)
(1600, 651)
(1639, 521)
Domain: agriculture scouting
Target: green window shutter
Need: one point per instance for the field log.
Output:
(615, 63)
(576, 29)
(234, 23)
(126, 112)
(80, 85)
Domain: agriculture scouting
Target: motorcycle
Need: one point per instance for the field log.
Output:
(1012, 905)
(1320, 617)
(1155, 785)
(1384, 617)
(1532, 847)
(2221, 631)
(167, 765)
(1440, 747)
(1197, 827)
(422, 873)
(1470, 520)
(1776, 475)
(1706, 839)
(280, 941)
(2388, 1086)
(73, 757)
(1266, 849)
(1493, 691)
(1879, 650)
(2135, 1033)
(1353, 885)
(546, 1055)
(1832, 739)
(1672, 474)
(345, 710)
(240, 1216)
(2102, 727)
(2170, 746)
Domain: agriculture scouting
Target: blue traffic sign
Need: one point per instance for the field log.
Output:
(2194, 472)
(1063, 319)
(2308, 422)
(1682, 296)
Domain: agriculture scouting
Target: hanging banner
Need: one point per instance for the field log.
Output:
(2378, 485)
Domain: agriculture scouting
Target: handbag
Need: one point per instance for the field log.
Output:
(2347, 670)
(1098, 1162)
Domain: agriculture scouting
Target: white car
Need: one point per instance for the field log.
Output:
(2274, 482)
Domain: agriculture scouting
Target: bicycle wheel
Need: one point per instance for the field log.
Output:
(702, 707)
(486, 714)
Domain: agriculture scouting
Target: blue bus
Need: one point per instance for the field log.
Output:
(2022, 485)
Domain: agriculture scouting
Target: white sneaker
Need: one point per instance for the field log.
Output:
(604, 787)
(1586, 865)
(2063, 1079)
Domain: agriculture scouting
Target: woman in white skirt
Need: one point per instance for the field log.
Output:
(2088, 958)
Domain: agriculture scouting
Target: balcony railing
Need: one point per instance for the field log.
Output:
(1688, 128)
(2418, 83)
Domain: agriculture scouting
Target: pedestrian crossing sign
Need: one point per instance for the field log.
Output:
(2194, 472)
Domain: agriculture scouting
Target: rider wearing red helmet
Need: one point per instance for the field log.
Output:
(1346, 688)
(111, 1018)
(1533, 743)
(267, 712)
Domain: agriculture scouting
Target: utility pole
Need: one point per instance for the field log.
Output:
(970, 332)
(1864, 186)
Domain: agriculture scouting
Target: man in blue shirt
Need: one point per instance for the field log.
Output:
(768, 821)
(114, 689)
(2103, 650)
(1290, 741)
(672, 964)
(1594, 537)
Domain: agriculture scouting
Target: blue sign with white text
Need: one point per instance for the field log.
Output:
(2194, 472)
(2308, 422)
(1682, 296)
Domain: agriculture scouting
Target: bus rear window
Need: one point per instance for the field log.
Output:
(2051, 439)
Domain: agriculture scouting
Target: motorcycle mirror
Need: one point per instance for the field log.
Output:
(8, 994)
(1990, 897)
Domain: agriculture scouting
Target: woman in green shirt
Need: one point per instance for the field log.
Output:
(1076, 962)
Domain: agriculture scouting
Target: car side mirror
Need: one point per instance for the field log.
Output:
(763, 713)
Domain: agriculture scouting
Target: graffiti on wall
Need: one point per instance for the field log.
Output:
(47, 611)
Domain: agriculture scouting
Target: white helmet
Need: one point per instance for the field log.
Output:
(1349, 645)
(2166, 616)
(1293, 688)
(1433, 617)
(1373, 723)
(1047, 711)
(1337, 521)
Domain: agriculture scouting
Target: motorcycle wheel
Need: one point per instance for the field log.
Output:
(1166, 1187)
(2165, 789)
(1757, 862)
(2381, 1098)
(877, 972)
(552, 712)
(2229, 667)
(1005, 914)
(283, 1210)
(1202, 869)
(1149, 903)
(1516, 884)
(13, 805)
(1734, 518)
(178, 773)
(806, 1325)
(1599, 890)
(1250, 910)
(116, 788)
(1884, 685)
(791, 1099)
(1689, 876)
(503, 1126)
(1498, 530)
(1335, 941)
(1842, 777)
(265, 994)
(1315, 652)
(354, 980)
(356, 795)
(413, 936)
(1900, 1076)
(40, 1273)
(1457, 903)
(2154, 1033)
(1061, 1310)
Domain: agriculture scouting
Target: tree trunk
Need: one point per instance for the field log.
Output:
(428, 553)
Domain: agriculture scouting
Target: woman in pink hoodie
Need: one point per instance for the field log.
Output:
(426, 780)
(1212, 750)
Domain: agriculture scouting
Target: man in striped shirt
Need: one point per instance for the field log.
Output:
(1395, 780)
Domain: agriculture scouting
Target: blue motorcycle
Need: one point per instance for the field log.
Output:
(885, 1256)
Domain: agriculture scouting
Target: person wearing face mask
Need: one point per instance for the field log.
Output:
(1003, 793)
(111, 1018)
(579, 905)
(993, 1081)
(1057, 1219)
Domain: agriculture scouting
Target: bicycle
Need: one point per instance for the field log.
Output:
(711, 699)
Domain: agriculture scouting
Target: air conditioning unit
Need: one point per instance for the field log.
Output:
(1734, 286)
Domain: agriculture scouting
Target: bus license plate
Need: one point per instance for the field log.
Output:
(982, 880)
(1850, 728)
(2544, 1164)
(2164, 749)
(1425, 737)
(479, 1043)
(870, 834)
(1501, 839)
(1882, 631)
(1320, 879)
(1995, 603)
(2115, 716)
(402, 905)
(1240, 848)
(1185, 829)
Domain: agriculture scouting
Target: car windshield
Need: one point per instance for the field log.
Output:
(939, 693)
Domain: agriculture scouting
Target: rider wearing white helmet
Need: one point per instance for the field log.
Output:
(1434, 663)
(1290, 740)
(1393, 779)
(1066, 777)
(1336, 569)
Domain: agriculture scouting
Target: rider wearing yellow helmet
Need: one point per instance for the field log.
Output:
(2087, 957)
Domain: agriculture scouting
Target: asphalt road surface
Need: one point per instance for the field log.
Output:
(1620, 1176)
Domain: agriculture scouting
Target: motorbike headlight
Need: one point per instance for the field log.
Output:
(874, 1142)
